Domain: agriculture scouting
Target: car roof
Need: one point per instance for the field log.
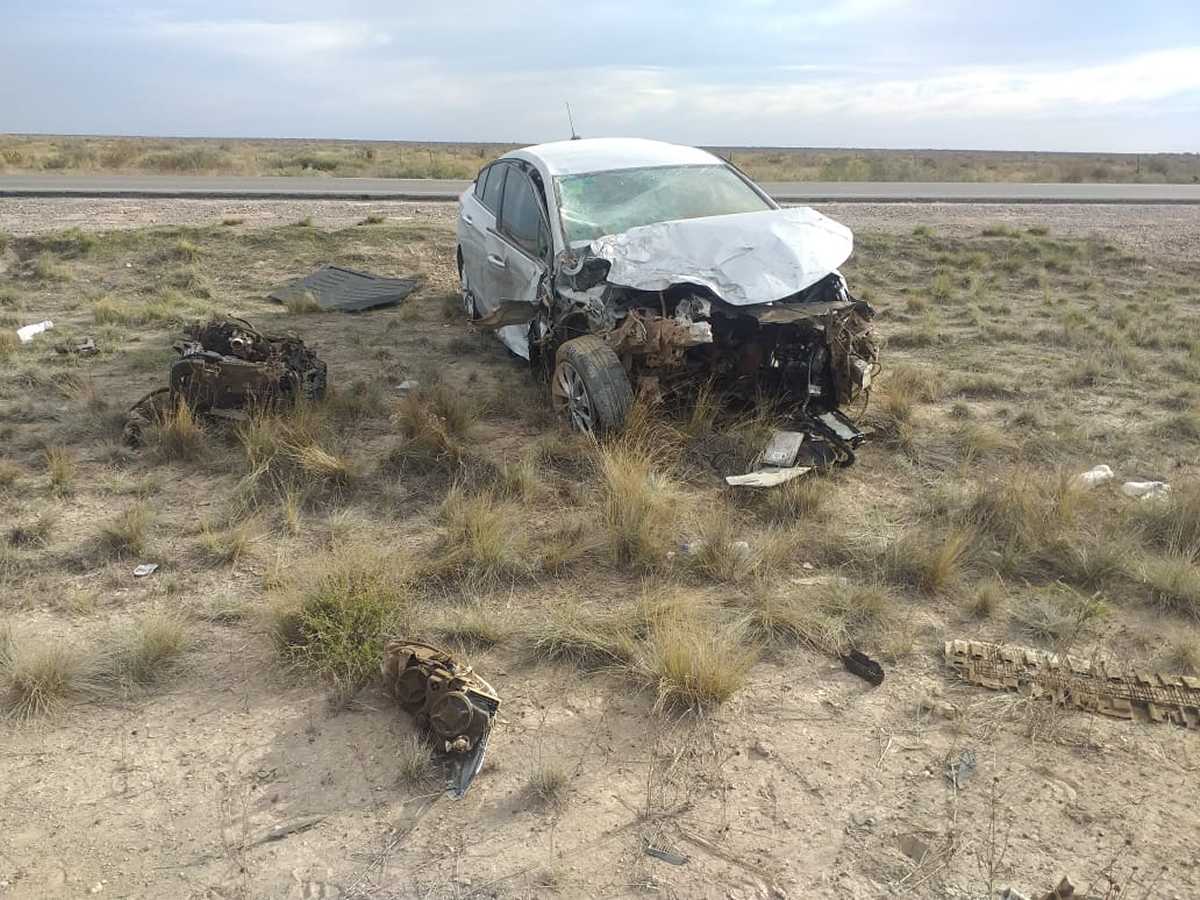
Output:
(605, 154)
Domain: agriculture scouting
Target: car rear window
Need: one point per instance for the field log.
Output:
(493, 187)
(600, 203)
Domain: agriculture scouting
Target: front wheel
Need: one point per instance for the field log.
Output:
(590, 388)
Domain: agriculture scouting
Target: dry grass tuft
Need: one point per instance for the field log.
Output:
(61, 467)
(637, 502)
(302, 303)
(38, 676)
(176, 434)
(1056, 615)
(145, 652)
(230, 545)
(1174, 582)
(918, 384)
(694, 663)
(483, 542)
(414, 761)
(9, 473)
(434, 425)
(797, 500)
(320, 465)
(930, 563)
(548, 783)
(35, 533)
(570, 632)
(1172, 525)
(330, 615)
(125, 534)
(988, 598)
(475, 627)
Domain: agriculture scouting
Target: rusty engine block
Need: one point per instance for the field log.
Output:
(448, 700)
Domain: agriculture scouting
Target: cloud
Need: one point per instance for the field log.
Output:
(292, 41)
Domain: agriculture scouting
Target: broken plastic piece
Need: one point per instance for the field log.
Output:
(145, 569)
(26, 332)
(782, 448)
(1146, 490)
(1094, 476)
(667, 856)
(447, 699)
(347, 290)
(863, 666)
(767, 477)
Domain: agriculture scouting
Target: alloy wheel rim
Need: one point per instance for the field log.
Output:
(572, 399)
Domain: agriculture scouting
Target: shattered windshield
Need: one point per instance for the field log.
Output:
(600, 203)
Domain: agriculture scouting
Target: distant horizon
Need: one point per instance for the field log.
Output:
(499, 143)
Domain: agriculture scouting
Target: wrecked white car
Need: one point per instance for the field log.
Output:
(622, 265)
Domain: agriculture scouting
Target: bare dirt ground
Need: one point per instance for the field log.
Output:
(1013, 360)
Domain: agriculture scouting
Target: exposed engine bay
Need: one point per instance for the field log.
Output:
(810, 355)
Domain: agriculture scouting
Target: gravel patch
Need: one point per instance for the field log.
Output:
(1147, 230)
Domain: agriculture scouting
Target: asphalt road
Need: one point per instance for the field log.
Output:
(319, 188)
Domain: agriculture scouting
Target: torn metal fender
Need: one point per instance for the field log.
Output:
(744, 258)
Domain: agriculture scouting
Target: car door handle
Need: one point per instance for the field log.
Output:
(497, 261)
(468, 219)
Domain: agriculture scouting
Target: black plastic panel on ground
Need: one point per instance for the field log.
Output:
(347, 290)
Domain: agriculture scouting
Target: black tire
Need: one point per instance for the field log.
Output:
(588, 363)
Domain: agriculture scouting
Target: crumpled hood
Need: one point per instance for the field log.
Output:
(745, 258)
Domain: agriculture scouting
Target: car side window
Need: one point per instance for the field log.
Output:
(494, 186)
(521, 219)
(481, 182)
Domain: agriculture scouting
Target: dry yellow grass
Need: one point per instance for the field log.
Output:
(61, 467)
(125, 534)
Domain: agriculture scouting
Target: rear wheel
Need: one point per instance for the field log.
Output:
(590, 388)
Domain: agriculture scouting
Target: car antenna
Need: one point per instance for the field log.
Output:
(571, 119)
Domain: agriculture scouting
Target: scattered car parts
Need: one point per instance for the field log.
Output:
(26, 333)
(227, 365)
(334, 287)
(450, 701)
(1090, 685)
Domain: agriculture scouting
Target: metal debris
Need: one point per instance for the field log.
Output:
(767, 476)
(226, 365)
(447, 699)
(145, 569)
(1090, 685)
(334, 287)
(863, 666)
(83, 347)
(667, 856)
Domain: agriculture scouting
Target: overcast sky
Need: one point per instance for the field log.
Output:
(1014, 74)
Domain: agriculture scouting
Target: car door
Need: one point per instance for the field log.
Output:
(517, 251)
(476, 217)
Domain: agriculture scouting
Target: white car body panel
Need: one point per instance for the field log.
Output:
(746, 258)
